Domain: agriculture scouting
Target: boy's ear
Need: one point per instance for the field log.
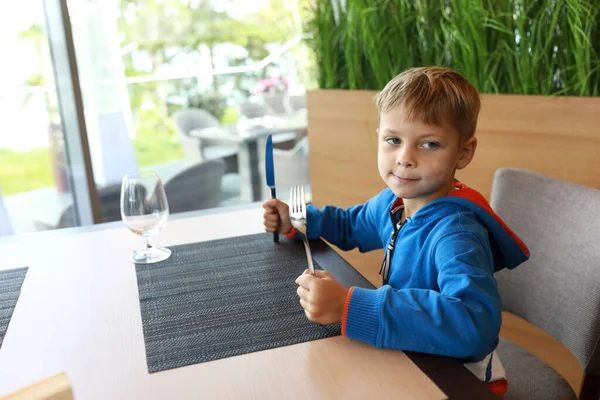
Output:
(466, 153)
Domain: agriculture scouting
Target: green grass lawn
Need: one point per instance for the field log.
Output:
(25, 170)
(156, 150)
(21, 171)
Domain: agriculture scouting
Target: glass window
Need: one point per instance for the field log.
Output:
(188, 88)
(39, 172)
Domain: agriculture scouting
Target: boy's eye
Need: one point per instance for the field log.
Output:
(393, 140)
(431, 145)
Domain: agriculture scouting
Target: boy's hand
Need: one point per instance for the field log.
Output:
(277, 217)
(322, 297)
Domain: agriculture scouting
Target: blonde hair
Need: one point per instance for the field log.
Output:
(435, 95)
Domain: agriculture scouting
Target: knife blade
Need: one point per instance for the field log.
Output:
(270, 174)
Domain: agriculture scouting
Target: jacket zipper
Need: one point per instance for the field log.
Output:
(384, 271)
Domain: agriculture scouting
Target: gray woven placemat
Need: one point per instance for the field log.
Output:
(223, 298)
(11, 281)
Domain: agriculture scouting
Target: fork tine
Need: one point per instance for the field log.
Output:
(298, 200)
(294, 200)
(303, 201)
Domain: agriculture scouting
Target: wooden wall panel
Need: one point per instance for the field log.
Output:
(343, 147)
(559, 137)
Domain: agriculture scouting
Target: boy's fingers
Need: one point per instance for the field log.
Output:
(318, 273)
(269, 221)
(305, 280)
(270, 211)
(322, 274)
(270, 228)
(271, 217)
(303, 293)
(273, 203)
(309, 307)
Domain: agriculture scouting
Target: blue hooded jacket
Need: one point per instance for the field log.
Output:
(439, 294)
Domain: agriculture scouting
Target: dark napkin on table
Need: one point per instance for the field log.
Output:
(11, 281)
(223, 298)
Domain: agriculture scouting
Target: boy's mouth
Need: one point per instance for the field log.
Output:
(403, 179)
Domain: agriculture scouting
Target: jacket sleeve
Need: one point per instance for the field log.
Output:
(347, 228)
(462, 320)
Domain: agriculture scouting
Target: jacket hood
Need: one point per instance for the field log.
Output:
(508, 249)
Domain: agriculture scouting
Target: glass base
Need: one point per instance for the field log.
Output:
(151, 255)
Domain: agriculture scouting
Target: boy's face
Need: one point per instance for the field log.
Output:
(417, 161)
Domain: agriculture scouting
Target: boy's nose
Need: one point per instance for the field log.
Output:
(405, 159)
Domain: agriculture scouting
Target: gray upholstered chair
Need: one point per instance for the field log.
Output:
(296, 102)
(193, 148)
(291, 168)
(276, 102)
(253, 109)
(558, 289)
(110, 206)
(196, 188)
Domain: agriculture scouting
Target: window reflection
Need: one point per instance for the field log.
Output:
(167, 86)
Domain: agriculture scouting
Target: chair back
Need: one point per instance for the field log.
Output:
(193, 148)
(297, 102)
(110, 206)
(252, 109)
(194, 118)
(276, 101)
(197, 187)
(291, 168)
(558, 288)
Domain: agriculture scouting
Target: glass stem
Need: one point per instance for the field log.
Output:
(148, 245)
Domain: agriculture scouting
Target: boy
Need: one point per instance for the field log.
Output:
(444, 242)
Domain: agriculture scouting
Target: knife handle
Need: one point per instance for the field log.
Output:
(275, 234)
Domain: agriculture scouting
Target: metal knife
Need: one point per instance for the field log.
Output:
(270, 174)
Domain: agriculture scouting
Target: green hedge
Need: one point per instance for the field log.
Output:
(546, 47)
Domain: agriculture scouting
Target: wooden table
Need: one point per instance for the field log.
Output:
(79, 313)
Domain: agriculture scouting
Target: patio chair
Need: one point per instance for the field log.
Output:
(291, 168)
(296, 102)
(558, 288)
(276, 101)
(197, 187)
(193, 148)
(110, 206)
(253, 109)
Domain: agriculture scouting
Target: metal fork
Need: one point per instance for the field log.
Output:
(298, 218)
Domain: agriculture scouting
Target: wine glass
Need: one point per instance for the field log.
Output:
(144, 209)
